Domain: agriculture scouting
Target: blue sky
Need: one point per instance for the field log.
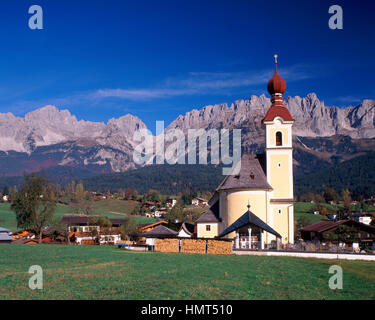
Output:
(158, 59)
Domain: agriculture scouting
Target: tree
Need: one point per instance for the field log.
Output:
(299, 223)
(330, 195)
(5, 191)
(103, 223)
(83, 201)
(13, 193)
(33, 205)
(100, 221)
(135, 195)
(153, 195)
(176, 213)
(307, 197)
(128, 193)
(62, 229)
(136, 211)
(347, 201)
(129, 228)
(323, 210)
(344, 233)
(319, 198)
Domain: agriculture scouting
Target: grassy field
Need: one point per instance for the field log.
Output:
(309, 207)
(119, 208)
(309, 218)
(113, 209)
(103, 272)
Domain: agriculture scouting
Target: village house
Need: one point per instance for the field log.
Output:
(82, 233)
(187, 230)
(199, 202)
(170, 203)
(365, 218)
(324, 230)
(159, 232)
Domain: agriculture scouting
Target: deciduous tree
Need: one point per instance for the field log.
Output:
(34, 205)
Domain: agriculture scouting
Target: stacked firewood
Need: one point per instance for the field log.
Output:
(166, 245)
(219, 247)
(193, 246)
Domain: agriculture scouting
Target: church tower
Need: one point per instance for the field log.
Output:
(279, 154)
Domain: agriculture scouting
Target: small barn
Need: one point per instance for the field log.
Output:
(5, 235)
(160, 232)
(324, 231)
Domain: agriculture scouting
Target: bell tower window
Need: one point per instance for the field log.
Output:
(279, 138)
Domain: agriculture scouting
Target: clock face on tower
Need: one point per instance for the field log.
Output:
(277, 121)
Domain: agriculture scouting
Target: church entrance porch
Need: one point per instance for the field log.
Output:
(249, 238)
(249, 232)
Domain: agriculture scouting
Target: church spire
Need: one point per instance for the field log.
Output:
(276, 88)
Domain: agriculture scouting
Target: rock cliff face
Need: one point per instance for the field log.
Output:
(49, 137)
(313, 117)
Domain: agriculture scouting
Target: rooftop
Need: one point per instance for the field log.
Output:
(249, 218)
(252, 175)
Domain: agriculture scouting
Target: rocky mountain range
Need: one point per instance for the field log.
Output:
(313, 117)
(48, 137)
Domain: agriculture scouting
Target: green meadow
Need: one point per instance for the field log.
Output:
(107, 272)
(113, 209)
(119, 209)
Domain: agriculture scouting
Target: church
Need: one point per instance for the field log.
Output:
(255, 206)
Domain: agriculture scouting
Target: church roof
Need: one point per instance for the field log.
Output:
(252, 175)
(278, 111)
(276, 87)
(249, 218)
(211, 215)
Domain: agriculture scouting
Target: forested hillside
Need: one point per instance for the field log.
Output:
(167, 179)
(357, 175)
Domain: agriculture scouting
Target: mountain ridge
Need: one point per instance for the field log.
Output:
(52, 137)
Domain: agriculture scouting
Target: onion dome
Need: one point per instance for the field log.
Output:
(276, 87)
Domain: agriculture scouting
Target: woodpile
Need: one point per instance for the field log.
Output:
(193, 246)
(219, 247)
(88, 242)
(166, 245)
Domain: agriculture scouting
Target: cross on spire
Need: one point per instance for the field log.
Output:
(275, 56)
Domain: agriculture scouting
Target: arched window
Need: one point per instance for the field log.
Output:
(279, 138)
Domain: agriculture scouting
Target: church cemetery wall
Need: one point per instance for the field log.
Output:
(198, 246)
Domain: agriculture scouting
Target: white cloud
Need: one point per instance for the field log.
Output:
(204, 83)
(349, 99)
(140, 94)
